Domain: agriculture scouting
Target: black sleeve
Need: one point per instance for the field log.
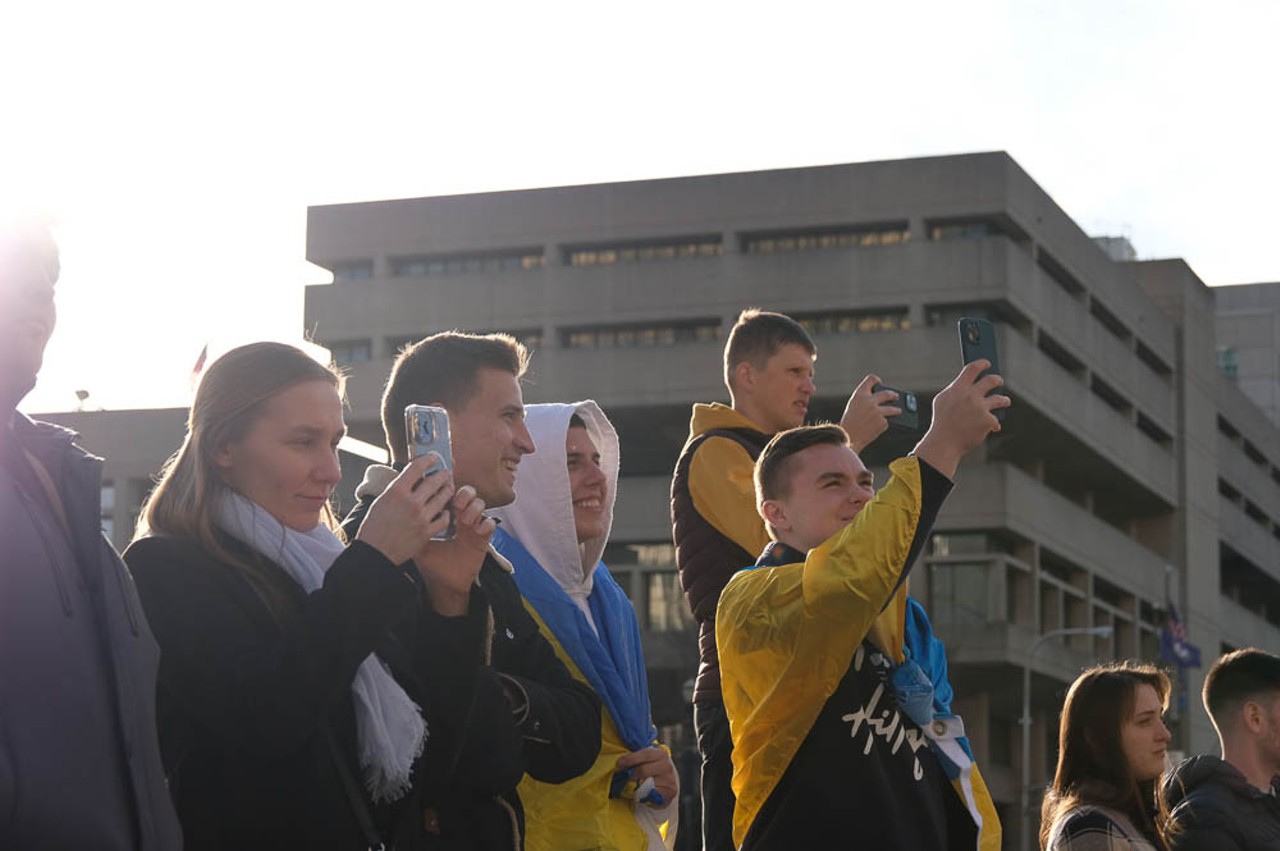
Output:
(224, 661)
(1198, 825)
(558, 717)
(934, 488)
(474, 745)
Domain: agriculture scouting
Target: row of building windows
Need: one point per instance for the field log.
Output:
(827, 238)
(1250, 509)
(516, 261)
(1247, 584)
(782, 243)
(609, 255)
(1058, 274)
(1250, 450)
(850, 322)
(978, 588)
(531, 338)
(348, 352)
(631, 336)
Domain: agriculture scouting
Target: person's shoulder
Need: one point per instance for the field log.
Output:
(158, 546)
(1085, 821)
(152, 557)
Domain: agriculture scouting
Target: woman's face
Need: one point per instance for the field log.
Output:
(1144, 736)
(287, 463)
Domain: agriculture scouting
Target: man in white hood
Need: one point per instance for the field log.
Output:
(554, 535)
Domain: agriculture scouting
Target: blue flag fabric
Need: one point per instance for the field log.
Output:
(613, 661)
(923, 648)
(1175, 648)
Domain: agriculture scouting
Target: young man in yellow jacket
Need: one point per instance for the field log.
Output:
(834, 687)
(768, 371)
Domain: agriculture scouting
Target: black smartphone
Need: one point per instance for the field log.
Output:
(427, 428)
(977, 341)
(910, 405)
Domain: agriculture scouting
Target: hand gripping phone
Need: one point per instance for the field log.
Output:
(427, 429)
(977, 341)
(910, 416)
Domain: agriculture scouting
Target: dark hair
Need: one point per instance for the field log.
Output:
(1236, 678)
(757, 336)
(232, 395)
(1092, 765)
(773, 467)
(442, 369)
(576, 421)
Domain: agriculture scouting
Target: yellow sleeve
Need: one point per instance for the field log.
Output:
(724, 492)
(787, 635)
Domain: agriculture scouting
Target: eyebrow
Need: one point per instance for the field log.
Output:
(832, 476)
(313, 431)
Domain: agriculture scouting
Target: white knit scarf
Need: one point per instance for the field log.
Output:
(389, 725)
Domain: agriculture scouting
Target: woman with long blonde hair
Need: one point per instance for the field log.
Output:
(282, 723)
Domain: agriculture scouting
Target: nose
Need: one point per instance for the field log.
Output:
(809, 388)
(523, 440)
(595, 476)
(330, 469)
(1164, 734)
(862, 494)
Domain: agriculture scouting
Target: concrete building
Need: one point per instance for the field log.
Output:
(1249, 342)
(1131, 470)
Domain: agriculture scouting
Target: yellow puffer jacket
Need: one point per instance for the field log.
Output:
(781, 658)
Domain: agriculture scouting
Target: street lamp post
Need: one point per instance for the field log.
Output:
(1025, 721)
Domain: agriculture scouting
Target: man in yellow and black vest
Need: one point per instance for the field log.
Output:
(768, 370)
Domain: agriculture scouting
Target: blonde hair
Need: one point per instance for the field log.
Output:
(231, 397)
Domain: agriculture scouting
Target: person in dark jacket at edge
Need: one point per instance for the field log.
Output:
(768, 370)
(835, 689)
(80, 764)
(1230, 803)
(522, 709)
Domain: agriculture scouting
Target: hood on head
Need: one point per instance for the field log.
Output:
(541, 518)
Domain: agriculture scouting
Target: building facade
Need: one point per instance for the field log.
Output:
(1131, 472)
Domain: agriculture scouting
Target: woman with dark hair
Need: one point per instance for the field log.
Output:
(281, 723)
(1112, 745)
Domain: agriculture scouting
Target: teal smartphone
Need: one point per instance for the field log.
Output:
(910, 405)
(978, 341)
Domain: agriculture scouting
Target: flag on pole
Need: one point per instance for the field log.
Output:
(1174, 646)
(198, 368)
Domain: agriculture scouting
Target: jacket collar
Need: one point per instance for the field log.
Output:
(777, 554)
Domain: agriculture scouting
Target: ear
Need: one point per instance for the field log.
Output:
(744, 376)
(1251, 715)
(222, 458)
(775, 514)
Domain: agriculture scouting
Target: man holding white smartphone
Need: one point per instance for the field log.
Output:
(504, 704)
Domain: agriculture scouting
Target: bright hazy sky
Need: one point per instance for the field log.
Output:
(178, 145)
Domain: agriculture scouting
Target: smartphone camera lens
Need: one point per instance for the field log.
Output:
(973, 333)
(911, 402)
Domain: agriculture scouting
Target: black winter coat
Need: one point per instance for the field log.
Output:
(469, 788)
(1216, 809)
(245, 703)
